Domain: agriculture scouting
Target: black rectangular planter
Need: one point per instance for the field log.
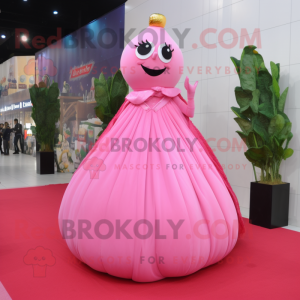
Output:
(269, 205)
(44, 162)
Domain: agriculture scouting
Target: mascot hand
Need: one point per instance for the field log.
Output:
(191, 89)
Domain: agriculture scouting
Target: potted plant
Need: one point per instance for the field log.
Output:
(266, 130)
(110, 95)
(45, 113)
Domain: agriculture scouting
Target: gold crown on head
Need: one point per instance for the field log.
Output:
(157, 20)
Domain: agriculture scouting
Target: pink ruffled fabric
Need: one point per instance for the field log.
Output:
(138, 97)
(159, 188)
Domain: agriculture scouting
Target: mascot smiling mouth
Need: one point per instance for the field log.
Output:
(153, 72)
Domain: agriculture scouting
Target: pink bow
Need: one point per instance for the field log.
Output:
(138, 97)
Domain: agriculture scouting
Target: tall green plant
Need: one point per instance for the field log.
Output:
(45, 113)
(110, 95)
(266, 129)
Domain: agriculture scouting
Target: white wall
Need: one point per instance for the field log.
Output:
(279, 25)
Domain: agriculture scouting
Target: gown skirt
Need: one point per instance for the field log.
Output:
(148, 203)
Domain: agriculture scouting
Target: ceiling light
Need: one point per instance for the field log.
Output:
(24, 38)
(3, 36)
(55, 12)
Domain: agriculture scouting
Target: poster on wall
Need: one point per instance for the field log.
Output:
(73, 63)
(16, 74)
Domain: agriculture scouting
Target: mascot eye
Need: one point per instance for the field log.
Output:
(144, 50)
(165, 53)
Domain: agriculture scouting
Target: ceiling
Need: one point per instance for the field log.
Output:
(38, 19)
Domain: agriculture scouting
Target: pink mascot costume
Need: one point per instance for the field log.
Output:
(151, 200)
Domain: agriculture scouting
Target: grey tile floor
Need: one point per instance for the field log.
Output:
(17, 171)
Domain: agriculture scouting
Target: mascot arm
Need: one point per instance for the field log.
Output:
(187, 108)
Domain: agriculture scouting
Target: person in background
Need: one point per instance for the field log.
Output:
(6, 137)
(18, 135)
(1, 135)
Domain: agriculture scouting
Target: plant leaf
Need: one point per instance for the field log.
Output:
(274, 100)
(255, 140)
(255, 101)
(53, 92)
(286, 118)
(109, 80)
(119, 90)
(244, 125)
(264, 81)
(279, 151)
(253, 159)
(101, 91)
(276, 87)
(258, 156)
(287, 153)
(284, 133)
(98, 112)
(236, 63)
(274, 70)
(237, 111)
(258, 60)
(276, 125)
(243, 98)
(267, 151)
(243, 136)
(248, 72)
(260, 125)
(33, 129)
(282, 98)
(33, 93)
(278, 66)
(290, 136)
(266, 109)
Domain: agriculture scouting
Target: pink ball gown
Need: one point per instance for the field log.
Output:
(150, 200)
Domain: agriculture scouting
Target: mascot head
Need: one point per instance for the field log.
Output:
(152, 58)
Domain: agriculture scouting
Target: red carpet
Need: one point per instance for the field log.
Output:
(265, 264)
